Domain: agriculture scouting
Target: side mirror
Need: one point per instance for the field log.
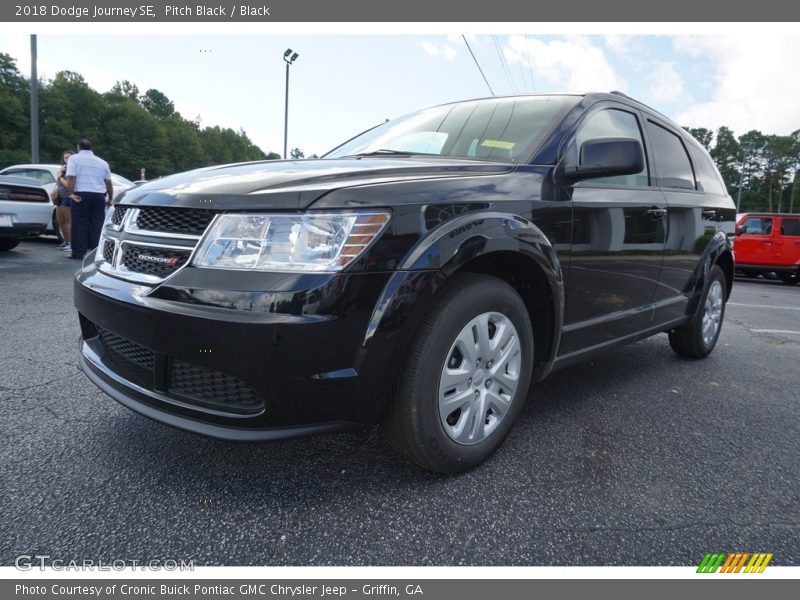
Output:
(604, 157)
(738, 231)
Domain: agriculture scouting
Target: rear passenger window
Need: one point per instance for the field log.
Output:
(673, 165)
(706, 173)
(790, 227)
(611, 123)
(757, 226)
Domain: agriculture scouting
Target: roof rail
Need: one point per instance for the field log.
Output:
(618, 93)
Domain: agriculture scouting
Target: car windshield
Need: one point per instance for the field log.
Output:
(502, 129)
(120, 180)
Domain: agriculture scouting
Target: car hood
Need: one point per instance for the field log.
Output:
(294, 184)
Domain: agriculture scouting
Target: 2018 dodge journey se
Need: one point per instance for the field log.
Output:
(422, 274)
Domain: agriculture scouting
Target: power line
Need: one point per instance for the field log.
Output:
(511, 83)
(530, 62)
(477, 64)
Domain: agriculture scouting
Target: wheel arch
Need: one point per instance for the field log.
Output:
(512, 249)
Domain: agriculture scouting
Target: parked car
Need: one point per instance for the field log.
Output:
(24, 210)
(47, 175)
(768, 243)
(422, 274)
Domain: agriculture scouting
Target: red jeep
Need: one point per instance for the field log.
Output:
(768, 243)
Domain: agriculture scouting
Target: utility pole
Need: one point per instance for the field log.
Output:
(741, 182)
(34, 104)
(288, 58)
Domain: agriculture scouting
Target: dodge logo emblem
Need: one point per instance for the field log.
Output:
(169, 261)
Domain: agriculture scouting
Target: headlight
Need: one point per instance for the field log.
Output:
(307, 242)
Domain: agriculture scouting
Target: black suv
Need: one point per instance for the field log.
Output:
(423, 273)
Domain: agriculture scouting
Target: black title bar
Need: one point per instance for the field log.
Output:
(407, 11)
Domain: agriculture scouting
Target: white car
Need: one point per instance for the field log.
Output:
(25, 209)
(46, 175)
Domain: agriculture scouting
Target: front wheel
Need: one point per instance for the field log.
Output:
(465, 378)
(698, 337)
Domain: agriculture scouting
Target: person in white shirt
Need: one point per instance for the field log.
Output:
(89, 185)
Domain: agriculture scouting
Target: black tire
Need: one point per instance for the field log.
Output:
(413, 424)
(8, 243)
(790, 277)
(688, 340)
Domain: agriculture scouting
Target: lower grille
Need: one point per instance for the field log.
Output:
(184, 381)
(212, 387)
(131, 361)
(158, 262)
(126, 349)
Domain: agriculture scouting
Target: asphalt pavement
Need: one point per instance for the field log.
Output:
(638, 457)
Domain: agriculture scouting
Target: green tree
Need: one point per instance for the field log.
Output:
(126, 89)
(296, 154)
(727, 154)
(702, 135)
(157, 104)
(14, 113)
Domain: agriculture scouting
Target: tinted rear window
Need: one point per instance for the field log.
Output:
(790, 226)
(672, 162)
(706, 173)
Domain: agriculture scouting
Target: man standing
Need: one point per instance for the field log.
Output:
(88, 182)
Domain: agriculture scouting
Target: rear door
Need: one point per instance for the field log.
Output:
(698, 205)
(786, 246)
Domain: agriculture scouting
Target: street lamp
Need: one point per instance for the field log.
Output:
(288, 57)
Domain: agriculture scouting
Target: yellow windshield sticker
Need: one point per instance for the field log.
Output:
(497, 144)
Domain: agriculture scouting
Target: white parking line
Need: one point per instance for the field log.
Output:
(775, 331)
(764, 306)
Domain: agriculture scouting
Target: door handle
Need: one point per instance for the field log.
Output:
(767, 243)
(657, 213)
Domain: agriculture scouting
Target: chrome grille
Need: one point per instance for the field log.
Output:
(108, 251)
(181, 221)
(118, 215)
(154, 261)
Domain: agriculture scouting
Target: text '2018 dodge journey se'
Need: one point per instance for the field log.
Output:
(422, 274)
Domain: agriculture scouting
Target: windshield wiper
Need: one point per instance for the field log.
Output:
(389, 152)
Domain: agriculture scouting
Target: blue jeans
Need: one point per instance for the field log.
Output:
(87, 222)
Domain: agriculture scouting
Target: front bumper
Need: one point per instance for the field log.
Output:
(304, 370)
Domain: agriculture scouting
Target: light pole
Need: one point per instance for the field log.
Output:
(34, 104)
(288, 57)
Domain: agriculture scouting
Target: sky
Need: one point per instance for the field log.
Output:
(343, 84)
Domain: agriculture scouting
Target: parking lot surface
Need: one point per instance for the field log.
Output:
(636, 458)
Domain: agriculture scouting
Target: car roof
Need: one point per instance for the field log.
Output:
(33, 166)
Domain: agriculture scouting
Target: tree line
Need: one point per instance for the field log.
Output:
(132, 130)
(129, 129)
(760, 170)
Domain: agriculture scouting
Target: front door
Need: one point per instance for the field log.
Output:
(754, 242)
(617, 245)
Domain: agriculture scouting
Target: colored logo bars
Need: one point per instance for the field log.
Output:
(734, 562)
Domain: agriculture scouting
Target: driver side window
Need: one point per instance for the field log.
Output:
(614, 123)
